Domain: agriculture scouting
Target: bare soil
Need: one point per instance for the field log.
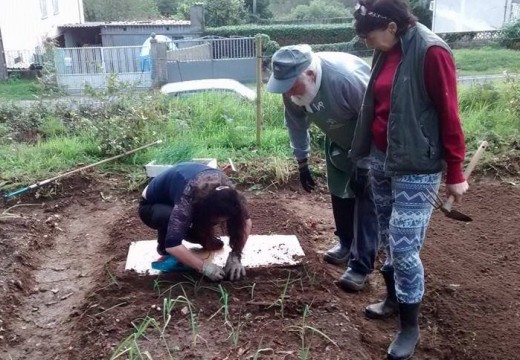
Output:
(65, 295)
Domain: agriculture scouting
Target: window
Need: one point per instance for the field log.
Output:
(43, 8)
(56, 6)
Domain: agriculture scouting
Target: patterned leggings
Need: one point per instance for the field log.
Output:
(403, 214)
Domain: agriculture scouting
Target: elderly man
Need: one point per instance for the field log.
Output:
(327, 89)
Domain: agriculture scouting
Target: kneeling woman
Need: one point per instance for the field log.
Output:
(186, 202)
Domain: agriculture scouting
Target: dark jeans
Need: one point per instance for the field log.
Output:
(156, 216)
(356, 224)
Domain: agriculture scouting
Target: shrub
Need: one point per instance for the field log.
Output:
(290, 34)
(510, 35)
(478, 95)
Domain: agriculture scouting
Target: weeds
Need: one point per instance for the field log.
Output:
(113, 279)
(251, 287)
(260, 350)
(194, 324)
(303, 331)
(235, 331)
(130, 346)
(310, 277)
(6, 214)
(224, 299)
(281, 300)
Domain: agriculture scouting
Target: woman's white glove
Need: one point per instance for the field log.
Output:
(234, 268)
(457, 190)
(212, 271)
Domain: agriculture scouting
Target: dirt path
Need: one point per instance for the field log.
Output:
(63, 279)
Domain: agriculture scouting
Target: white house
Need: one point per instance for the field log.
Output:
(25, 24)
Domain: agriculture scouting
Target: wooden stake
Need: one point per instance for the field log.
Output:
(258, 41)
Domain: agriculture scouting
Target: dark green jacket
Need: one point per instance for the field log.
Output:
(414, 139)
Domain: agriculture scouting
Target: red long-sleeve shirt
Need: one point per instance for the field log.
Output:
(441, 85)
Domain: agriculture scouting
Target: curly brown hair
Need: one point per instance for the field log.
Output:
(377, 14)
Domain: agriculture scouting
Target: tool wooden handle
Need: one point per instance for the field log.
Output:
(469, 169)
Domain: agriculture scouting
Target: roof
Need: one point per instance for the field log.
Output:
(127, 23)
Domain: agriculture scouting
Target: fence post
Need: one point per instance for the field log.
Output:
(258, 41)
(3, 64)
(159, 62)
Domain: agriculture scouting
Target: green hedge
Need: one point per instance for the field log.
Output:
(290, 34)
(342, 47)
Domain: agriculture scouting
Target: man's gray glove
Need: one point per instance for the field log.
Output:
(212, 271)
(305, 176)
(234, 268)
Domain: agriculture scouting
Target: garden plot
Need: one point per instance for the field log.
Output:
(66, 294)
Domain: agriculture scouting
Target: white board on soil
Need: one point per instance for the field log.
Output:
(260, 251)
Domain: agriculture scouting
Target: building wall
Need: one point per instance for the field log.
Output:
(24, 27)
(136, 35)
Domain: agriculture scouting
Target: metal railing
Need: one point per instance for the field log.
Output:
(98, 60)
(224, 48)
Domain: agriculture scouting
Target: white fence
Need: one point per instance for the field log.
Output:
(98, 60)
(78, 67)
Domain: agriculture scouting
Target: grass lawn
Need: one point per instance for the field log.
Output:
(18, 89)
(487, 61)
(483, 61)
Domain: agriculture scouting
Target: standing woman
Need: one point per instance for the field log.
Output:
(409, 123)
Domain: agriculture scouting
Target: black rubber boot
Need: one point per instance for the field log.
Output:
(352, 280)
(387, 307)
(338, 255)
(403, 346)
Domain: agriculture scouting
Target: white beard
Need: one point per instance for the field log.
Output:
(311, 89)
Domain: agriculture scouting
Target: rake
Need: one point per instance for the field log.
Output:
(8, 195)
(446, 206)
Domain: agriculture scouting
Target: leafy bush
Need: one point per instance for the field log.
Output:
(510, 35)
(479, 95)
(290, 34)
(513, 99)
(5, 133)
(52, 126)
(318, 9)
(350, 46)
(9, 111)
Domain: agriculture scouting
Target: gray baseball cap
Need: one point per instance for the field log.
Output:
(286, 65)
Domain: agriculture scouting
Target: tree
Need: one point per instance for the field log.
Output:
(319, 9)
(262, 9)
(280, 8)
(224, 12)
(167, 7)
(120, 10)
(421, 9)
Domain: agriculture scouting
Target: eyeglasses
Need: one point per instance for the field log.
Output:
(365, 12)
